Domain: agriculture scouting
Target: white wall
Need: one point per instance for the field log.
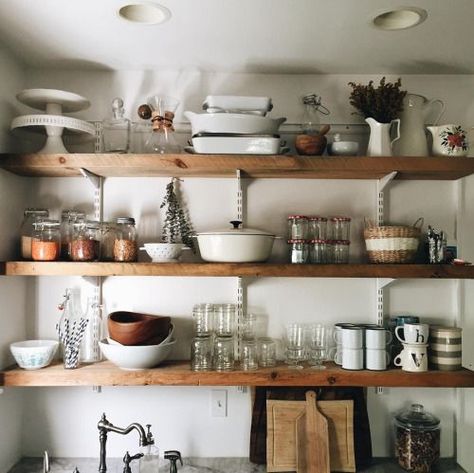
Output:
(12, 291)
(181, 415)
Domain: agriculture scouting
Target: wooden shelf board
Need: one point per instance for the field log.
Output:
(178, 373)
(64, 268)
(264, 166)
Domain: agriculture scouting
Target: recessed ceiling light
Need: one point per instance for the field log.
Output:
(400, 19)
(144, 13)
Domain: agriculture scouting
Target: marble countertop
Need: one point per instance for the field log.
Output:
(197, 465)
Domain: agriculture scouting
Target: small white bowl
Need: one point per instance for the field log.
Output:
(163, 252)
(34, 354)
(343, 148)
(134, 358)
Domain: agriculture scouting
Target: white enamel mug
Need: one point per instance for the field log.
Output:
(350, 358)
(376, 359)
(416, 334)
(350, 337)
(413, 357)
(377, 338)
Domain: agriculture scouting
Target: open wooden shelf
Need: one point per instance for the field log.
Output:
(264, 166)
(178, 373)
(253, 270)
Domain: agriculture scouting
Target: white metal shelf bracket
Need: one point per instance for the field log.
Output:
(381, 185)
(240, 211)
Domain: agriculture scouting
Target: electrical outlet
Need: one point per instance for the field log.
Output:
(219, 402)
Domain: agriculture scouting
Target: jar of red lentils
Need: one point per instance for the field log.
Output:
(46, 241)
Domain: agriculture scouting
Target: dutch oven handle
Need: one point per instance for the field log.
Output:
(235, 223)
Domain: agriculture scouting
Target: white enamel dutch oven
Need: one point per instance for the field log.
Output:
(236, 245)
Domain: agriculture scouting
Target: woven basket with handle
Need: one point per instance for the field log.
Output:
(392, 243)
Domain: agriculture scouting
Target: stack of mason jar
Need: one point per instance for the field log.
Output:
(318, 240)
(215, 340)
(75, 238)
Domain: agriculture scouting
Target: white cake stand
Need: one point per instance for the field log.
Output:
(54, 103)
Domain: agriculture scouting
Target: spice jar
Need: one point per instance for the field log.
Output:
(340, 228)
(46, 239)
(318, 228)
(341, 251)
(317, 251)
(297, 227)
(417, 439)
(125, 243)
(85, 244)
(298, 251)
(30, 216)
(68, 219)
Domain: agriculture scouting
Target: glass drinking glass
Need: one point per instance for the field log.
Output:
(202, 316)
(249, 356)
(248, 326)
(201, 354)
(224, 353)
(266, 352)
(318, 345)
(224, 319)
(295, 349)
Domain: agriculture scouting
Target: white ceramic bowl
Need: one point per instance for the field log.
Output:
(237, 123)
(34, 354)
(163, 252)
(343, 148)
(136, 357)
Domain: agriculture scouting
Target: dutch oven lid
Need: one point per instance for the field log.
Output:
(236, 230)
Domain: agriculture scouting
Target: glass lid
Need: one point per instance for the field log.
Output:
(416, 417)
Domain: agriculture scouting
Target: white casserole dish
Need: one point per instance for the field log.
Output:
(235, 245)
(237, 123)
(236, 144)
(237, 103)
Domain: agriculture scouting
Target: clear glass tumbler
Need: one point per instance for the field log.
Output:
(266, 352)
(249, 355)
(201, 354)
(295, 345)
(224, 319)
(203, 315)
(318, 346)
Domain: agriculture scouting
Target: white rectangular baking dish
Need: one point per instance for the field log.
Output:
(237, 103)
(236, 144)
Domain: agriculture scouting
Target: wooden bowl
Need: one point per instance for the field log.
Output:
(132, 328)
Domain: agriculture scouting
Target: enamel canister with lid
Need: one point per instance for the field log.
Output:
(417, 439)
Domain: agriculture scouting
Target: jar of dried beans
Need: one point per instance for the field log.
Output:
(68, 219)
(125, 243)
(417, 439)
(46, 241)
(107, 241)
(85, 242)
(30, 216)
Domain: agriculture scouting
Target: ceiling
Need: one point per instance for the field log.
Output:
(257, 36)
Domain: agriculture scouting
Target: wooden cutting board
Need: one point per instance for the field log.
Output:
(312, 442)
(282, 434)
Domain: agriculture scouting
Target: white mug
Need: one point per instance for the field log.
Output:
(416, 334)
(350, 337)
(350, 358)
(413, 357)
(377, 338)
(376, 359)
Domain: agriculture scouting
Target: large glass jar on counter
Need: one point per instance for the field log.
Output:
(46, 241)
(30, 216)
(125, 244)
(85, 241)
(417, 439)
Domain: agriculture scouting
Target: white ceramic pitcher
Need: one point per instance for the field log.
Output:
(413, 140)
(449, 140)
(380, 143)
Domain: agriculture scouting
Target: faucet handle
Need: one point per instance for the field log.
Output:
(127, 459)
(173, 456)
(149, 436)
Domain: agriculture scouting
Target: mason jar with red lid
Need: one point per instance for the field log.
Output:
(297, 227)
(340, 228)
(318, 228)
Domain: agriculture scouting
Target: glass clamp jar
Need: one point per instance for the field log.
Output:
(46, 241)
(417, 439)
(318, 251)
(30, 216)
(298, 251)
(107, 241)
(68, 219)
(125, 243)
(297, 227)
(85, 242)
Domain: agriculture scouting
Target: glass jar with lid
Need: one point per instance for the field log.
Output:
(317, 253)
(299, 251)
(68, 219)
(107, 241)
(30, 216)
(341, 251)
(125, 243)
(340, 228)
(297, 227)
(417, 439)
(317, 228)
(46, 240)
(85, 242)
